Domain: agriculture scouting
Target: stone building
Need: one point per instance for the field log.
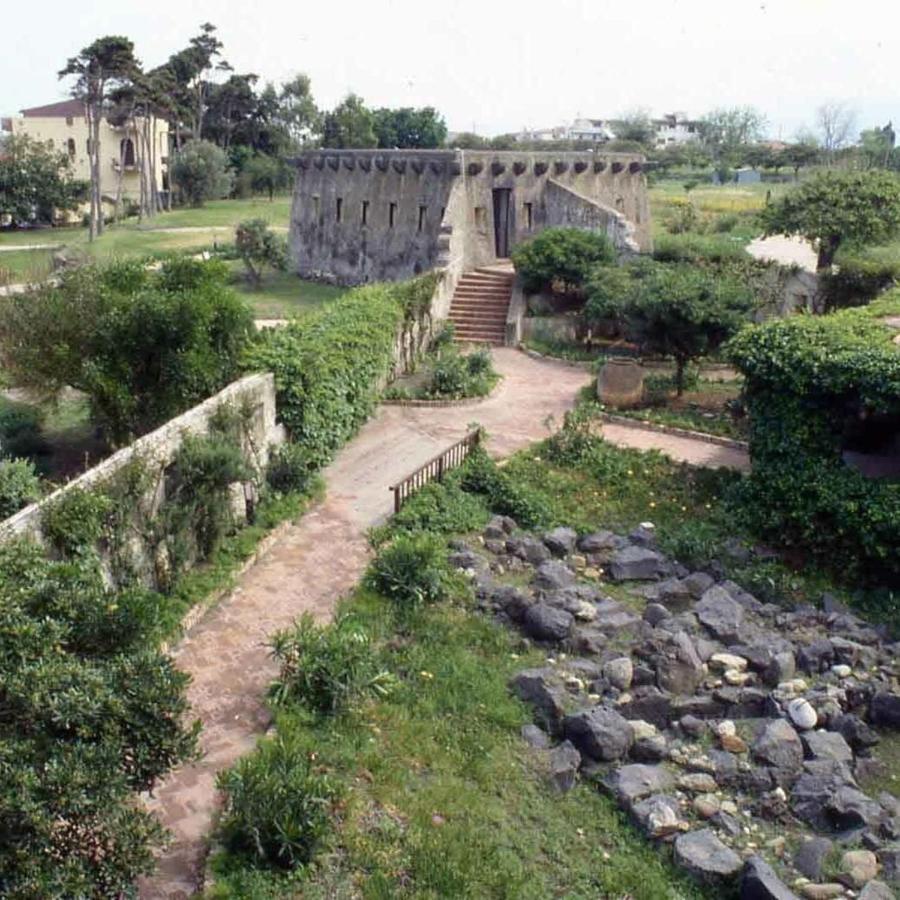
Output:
(375, 215)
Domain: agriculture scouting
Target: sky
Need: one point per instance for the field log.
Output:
(496, 66)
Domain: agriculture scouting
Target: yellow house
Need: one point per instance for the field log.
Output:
(123, 147)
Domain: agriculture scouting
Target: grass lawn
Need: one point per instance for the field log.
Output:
(282, 294)
(132, 239)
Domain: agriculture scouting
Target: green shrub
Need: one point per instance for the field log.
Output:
(454, 376)
(277, 804)
(808, 380)
(260, 247)
(480, 362)
(141, 354)
(19, 486)
(444, 338)
(200, 171)
(325, 667)
(198, 501)
(439, 507)
(328, 366)
(726, 223)
(858, 279)
(561, 258)
(75, 522)
(20, 431)
(692, 248)
(504, 496)
(412, 571)
(289, 469)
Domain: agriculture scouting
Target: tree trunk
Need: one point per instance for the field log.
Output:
(828, 247)
(680, 364)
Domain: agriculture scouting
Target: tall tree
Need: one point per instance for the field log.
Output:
(410, 128)
(837, 209)
(350, 124)
(101, 66)
(877, 146)
(636, 125)
(836, 125)
(297, 111)
(725, 131)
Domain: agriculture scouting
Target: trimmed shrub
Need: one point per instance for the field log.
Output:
(19, 486)
(325, 667)
(857, 280)
(480, 475)
(328, 367)
(807, 380)
(277, 804)
(561, 259)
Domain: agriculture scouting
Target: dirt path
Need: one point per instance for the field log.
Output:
(785, 250)
(320, 558)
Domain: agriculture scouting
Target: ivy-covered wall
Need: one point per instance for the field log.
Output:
(134, 508)
(809, 382)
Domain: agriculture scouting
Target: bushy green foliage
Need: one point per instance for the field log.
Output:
(200, 171)
(411, 571)
(808, 380)
(20, 430)
(19, 486)
(260, 248)
(480, 475)
(36, 183)
(277, 804)
(289, 469)
(693, 248)
(198, 508)
(561, 259)
(838, 209)
(91, 714)
(439, 507)
(74, 523)
(328, 366)
(325, 667)
(858, 279)
(680, 311)
(143, 346)
(454, 376)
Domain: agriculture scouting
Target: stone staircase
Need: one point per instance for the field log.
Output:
(480, 304)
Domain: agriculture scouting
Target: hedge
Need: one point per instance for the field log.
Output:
(806, 377)
(329, 367)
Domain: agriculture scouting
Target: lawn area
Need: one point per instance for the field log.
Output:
(282, 294)
(214, 222)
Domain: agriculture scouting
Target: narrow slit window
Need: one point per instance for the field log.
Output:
(315, 200)
(365, 212)
(443, 211)
(529, 216)
(338, 205)
(422, 211)
(481, 219)
(392, 214)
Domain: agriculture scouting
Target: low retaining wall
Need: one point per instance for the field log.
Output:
(254, 394)
(720, 441)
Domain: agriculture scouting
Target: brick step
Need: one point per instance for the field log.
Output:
(477, 322)
(480, 292)
(476, 303)
(461, 328)
(483, 279)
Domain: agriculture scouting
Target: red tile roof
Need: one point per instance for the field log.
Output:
(62, 109)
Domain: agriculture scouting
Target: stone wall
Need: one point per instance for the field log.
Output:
(370, 215)
(254, 394)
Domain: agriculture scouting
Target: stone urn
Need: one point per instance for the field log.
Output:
(620, 383)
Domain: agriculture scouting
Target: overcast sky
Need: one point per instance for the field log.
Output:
(499, 65)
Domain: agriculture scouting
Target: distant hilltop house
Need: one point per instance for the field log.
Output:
(676, 128)
(589, 131)
(64, 125)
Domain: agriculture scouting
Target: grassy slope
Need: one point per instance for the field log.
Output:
(444, 798)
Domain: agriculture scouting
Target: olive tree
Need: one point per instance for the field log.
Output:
(201, 172)
(679, 311)
(838, 209)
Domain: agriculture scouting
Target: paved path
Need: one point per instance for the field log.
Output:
(785, 250)
(320, 558)
(12, 248)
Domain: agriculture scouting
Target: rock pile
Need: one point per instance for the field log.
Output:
(736, 730)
